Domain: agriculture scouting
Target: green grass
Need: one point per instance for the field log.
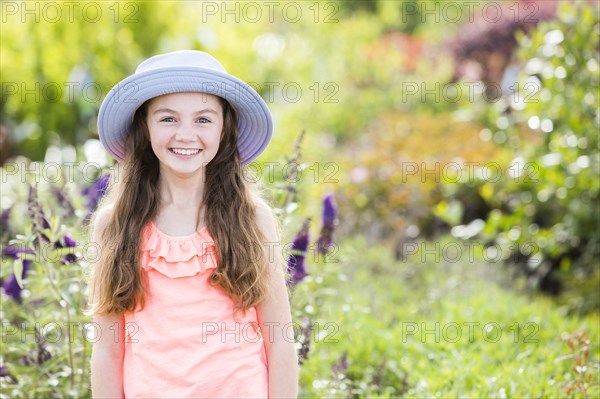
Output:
(379, 309)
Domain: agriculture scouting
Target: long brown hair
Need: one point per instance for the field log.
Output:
(117, 280)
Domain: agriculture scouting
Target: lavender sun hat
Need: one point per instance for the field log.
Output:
(184, 71)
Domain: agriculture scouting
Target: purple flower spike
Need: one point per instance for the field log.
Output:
(297, 250)
(11, 287)
(306, 329)
(330, 219)
(95, 192)
(63, 200)
(36, 213)
(329, 210)
(341, 366)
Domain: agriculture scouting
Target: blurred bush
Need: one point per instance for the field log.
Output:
(55, 73)
(544, 208)
(396, 169)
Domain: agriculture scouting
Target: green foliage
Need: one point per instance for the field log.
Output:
(55, 74)
(386, 313)
(361, 344)
(46, 339)
(363, 138)
(545, 207)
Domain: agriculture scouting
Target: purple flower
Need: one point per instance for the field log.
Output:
(306, 329)
(297, 250)
(42, 355)
(11, 287)
(341, 366)
(68, 243)
(330, 219)
(4, 373)
(13, 251)
(95, 191)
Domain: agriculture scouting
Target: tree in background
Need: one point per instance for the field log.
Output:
(55, 73)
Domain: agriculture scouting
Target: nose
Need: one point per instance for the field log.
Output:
(185, 133)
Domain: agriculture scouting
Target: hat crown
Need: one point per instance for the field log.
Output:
(183, 58)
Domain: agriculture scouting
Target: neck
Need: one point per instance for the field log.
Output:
(181, 192)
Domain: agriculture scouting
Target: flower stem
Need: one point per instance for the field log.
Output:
(59, 295)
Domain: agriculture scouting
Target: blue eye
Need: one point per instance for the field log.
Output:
(203, 120)
(168, 119)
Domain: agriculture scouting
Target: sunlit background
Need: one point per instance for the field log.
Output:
(441, 156)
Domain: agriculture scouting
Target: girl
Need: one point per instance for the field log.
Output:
(188, 292)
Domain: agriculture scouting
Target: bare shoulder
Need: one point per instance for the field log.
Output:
(265, 218)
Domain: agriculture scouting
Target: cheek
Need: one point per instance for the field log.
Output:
(218, 135)
(152, 135)
(156, 138)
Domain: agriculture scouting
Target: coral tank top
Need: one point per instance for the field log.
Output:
(188, 342)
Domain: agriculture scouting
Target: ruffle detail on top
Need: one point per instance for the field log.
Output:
(177, 257)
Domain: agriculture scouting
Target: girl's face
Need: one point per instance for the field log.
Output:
(185, 130)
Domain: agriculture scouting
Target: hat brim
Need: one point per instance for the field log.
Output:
(255, 124)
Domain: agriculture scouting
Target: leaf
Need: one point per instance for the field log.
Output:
(18, 271)
(26, 256)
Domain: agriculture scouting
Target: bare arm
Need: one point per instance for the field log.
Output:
(108, 348)
(275, 318)
(107, 358)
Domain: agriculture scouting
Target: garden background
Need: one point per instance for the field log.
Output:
(450, 148)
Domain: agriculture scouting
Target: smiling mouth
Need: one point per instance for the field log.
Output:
(185, 151)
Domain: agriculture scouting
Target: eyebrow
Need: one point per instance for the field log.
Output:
(169, 110)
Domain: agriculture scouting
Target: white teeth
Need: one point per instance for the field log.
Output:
(180, 151)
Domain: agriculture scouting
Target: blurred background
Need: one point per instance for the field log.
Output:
(434, 164)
